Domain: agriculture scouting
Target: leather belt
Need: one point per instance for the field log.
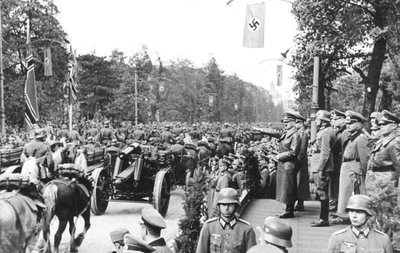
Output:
(351, 159)
(383, 168)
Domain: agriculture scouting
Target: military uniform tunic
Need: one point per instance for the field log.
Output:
(355, 159)
(351, 240)
(218, 236)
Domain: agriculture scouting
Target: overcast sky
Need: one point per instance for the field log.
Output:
(193, 29)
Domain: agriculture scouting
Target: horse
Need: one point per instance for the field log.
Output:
(20, 219)
(67, 198)
(224, 148)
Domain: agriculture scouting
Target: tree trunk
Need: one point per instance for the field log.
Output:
(373, 77)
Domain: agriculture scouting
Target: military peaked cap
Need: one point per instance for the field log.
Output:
(350, 115)
(299, 118)
(135, 244)
(338, 113)
(118, 234)
(388, 117)
(288, 116)
(153, 218)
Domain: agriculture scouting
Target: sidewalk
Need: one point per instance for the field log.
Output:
(305, 239)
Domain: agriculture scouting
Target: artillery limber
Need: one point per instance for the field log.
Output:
(10, 160)
(138, 173)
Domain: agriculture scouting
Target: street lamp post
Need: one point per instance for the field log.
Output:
(136, 99)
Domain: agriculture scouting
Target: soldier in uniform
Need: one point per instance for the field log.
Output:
(138, 133)
(167, 137)
(323, 146)
(226, 134)
(151, 225)
(374, 120)
(133, 244)
(303, 184)
(63, 132)
(106, 134)
(289, 147)
(74, 135)
(92, 132)
(39, 149)
(276, 233)
(227, 232)
(355, 159)
(384, 164)
(122, 133)
(360, 236)
(338, 120)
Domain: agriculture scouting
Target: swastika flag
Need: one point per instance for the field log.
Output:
(254, 25)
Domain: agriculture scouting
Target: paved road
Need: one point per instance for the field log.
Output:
(305, 239)
(120, 214)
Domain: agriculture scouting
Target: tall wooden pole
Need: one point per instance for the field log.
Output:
(2, 110)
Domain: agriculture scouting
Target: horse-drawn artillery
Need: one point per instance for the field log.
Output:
(10, 159)
(139, 173)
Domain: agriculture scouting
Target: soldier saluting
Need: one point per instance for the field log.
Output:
(289, 148)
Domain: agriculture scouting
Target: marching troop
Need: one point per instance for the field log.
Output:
(343, 168)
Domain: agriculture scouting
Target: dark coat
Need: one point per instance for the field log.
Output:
(289, 147)
(303, 182)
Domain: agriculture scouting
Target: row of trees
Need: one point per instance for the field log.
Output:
(167, 91)
(357, 41)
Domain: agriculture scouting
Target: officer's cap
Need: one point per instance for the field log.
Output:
(152, 217)
(338, 114)
(354, 116)
(135, 244)
(118, 234)
(376, 115)
(299, 118)
(388, 118)
(40, 133)
(288, 116)
(106, 123)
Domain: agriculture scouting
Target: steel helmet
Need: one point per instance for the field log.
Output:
(323, 115)
(228, 196)
(264, 248)
(360, 202)
(277, 231)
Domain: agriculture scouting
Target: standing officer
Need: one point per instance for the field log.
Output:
(384, 163)
(226, 233)
(63, 132)
(323, 146)
(151, 224)
(355, 159)
(338, 120)
(303, 184)
(359, 237)
(289, 147)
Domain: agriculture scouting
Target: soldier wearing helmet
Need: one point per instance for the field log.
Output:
(276, 233)
(227, 232)
(360, 236)
(322, 151)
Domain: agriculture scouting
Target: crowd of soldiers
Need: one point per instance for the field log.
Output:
(346, 160)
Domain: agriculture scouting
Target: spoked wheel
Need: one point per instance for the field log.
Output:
(101, 191)
(162, 192)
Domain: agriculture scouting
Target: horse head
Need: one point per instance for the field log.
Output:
(69, 152)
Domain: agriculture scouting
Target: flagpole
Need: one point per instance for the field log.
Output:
(2, 110)
(70, 109)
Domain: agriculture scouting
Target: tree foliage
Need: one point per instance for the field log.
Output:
(350, 37)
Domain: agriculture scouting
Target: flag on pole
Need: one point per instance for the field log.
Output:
(30, 94)
(48, 66)
(254, 25)
(279, 75)
(71, 73)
